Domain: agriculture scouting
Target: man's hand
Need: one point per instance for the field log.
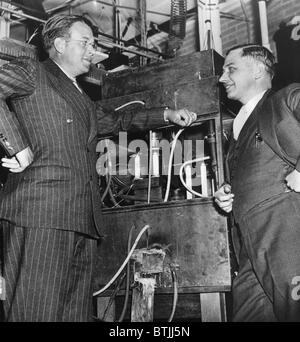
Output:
(293, 180)
(224, 198)
(19, 162)
(181, 117)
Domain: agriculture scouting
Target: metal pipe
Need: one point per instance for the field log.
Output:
(263, 23)
(22, 14)
(137, 46)
(22, 6)
(4, 25)
(209, 25)
(65, 4)
(119, 6)
(110, 44)
(100, 42)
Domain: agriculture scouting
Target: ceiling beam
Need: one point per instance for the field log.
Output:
(118, 6)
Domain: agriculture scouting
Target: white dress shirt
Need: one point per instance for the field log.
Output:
(244, 114)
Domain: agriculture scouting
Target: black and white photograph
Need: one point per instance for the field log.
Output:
(150, 164)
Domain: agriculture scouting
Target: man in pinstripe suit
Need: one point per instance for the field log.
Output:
(50, 205)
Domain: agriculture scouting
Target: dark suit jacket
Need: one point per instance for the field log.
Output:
(279, 123)
(59, 189)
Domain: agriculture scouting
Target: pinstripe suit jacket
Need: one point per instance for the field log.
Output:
(47, 112)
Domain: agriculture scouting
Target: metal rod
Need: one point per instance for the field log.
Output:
(110, 44)
(233, 17)
(22, 14)
(119, 6)
(137, 46)
(263, 23)
(101, 43)
(65, 4)
(22, 6)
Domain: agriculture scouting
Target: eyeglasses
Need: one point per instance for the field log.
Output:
(84, 43)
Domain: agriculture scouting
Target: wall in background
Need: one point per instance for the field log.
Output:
(236, 30)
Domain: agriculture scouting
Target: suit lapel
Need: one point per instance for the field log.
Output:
(254, 116)
(64, 86)
(266, 121)
(251, 119)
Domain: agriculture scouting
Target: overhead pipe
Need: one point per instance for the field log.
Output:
(4, 25)
(26, 8)
(209, 25)
(263, 23)
(106, 44)
(110, 44)
(22, 14)
(115, 5)
(134, 45)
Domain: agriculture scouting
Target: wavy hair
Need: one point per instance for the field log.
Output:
(59, 26)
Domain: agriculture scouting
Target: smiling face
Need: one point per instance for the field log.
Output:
(74, 56)
(238, 77)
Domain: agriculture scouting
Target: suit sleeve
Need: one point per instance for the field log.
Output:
(293, 102)
(17, 79)
(131, 119)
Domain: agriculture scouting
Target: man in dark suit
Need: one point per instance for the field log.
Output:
(263, 188)
(50, 206)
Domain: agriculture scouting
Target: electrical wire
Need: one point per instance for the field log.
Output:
(112, 297)
(175, 296)
(150, 168)
(108, 182)
(129, 103)
(111, 195)
(124, 263)
(121, 318)
(109, 177)
(123, 196)
(170, 164)
(181, 174)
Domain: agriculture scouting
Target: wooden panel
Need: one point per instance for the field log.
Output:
(201, 97)
(193, 233)
(179, 70)
(187, 308)
(211, 307)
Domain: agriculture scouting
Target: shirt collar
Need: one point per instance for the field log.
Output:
(251, 104)
(244, 113)
(73, 79)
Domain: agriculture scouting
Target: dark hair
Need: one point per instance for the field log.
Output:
(258, 53)
(59, 26)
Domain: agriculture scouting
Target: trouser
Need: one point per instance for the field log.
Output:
(48, 274)
(267, 287)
